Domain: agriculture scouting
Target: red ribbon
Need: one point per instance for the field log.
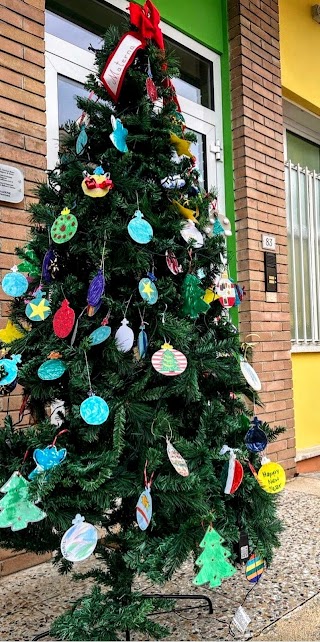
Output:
(91, 183)
(146, 19)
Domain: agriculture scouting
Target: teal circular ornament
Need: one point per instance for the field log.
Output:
(14, 283)
(51, 369)
(100, 335)
(9, 369)
(148, 291)
(39, 308)
(94, 410)
(139, 229)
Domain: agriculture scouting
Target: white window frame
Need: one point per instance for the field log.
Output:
(66, 59)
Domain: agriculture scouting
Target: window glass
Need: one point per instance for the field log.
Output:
(70, 32)
(195, 82)
(303, 152)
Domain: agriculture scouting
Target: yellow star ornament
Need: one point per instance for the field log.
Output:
(181, 145)
(10, 333)
(39, 310)
(148, 289)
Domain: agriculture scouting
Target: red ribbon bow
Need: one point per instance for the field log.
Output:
(91, 183)
(146, 19)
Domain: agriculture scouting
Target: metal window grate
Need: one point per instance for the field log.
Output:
(303, 218)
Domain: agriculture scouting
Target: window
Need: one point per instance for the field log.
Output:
(69, 33)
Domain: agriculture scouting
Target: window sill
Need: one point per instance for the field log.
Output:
(305, 347)
(307, 453)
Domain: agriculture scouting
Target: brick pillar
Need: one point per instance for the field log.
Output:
(22, 145)
(257, 124)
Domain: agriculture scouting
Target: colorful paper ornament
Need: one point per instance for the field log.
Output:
(52, 369)
(38, 308)
(63, 320)
(144, 504)
(14, 283)
(213, 561)
(30, 265)
(148, 291)
(193, 297)
(173, 182)
(172, 263)
(256, 439)
(82, 140)
(233, 473)
(139, 229)
(250, 374)
(53, 266)
(96, 289)
(271, 476)
(17, 511)
(177, 461)
(97, 184)
(254, 568)
(64, 227)
(181, 145)
(142, 342)
(79, 541)
(168, 361)
(226, 291)
(124, 337)
(186, 212)
(94, 410)
(46, 459)
(119, 135)
(99, 335)
(189, 232)
(10, 333)
(9, 367)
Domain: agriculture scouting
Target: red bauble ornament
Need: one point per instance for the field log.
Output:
(63, 320)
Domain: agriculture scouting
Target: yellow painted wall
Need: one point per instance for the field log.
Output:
(306, 396)
(300, 53)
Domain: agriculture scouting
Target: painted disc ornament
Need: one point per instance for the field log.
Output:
(94, 410)
(144, 509)
(14, 283)
(250, 374)
(97, 184)
(139, 229)
(177, 461)
(64, 227)
(119, 135)
(96, 289)
(124, 337)
(172, 263)
(148, 291)
(39, 308)
(46, 459)
(51, 369)
(53, 266)
(232, 474)
(63, 320)
(168, 361)
(254, 568)
(79, 541)
(189, 232)
(271, 476)
(10, 369)
(99, 335)
(226, 291)
(256, 439)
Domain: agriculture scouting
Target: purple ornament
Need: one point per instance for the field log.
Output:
(96, 289)
(47, 261)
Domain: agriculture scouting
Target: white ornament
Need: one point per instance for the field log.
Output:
(124, 337)
(250, 375)
(190, 232)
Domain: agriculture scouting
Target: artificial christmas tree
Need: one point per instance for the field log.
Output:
(110, 395)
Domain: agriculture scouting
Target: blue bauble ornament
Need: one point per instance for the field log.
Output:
(51, 369)
(39, 308)
(119, 135)
(256, 439)
(79, 541)
(11, 370)
(14, 283)
(100, 335)
(139, 229)
(46, 459)
(148, 291)
(144, 509)
(94, 410)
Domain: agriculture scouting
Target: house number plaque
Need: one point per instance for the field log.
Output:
(11, 184)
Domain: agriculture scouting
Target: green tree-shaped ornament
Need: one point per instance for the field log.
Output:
(213, 561)
(16, 509)
(169, 362)
(192, 293)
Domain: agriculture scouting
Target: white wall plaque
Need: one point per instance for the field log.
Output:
(268, 242)
(11, 184)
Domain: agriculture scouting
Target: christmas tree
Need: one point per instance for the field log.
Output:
(213, 561)
(16, 508)
(111, 220)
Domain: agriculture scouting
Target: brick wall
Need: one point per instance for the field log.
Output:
(257, 123)
(23, 145)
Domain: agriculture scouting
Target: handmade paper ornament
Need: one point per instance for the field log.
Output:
(232, 475)
(139, 229)
(142, 342)
(151, 88)
(250, 374)
(119, 135)
(82, 140)
(30, 265)
(254, 568)
(226, 291)
(96, 289)
(173, 182)
(144, 505)
(99, 335)
(53, 368)
(64, 227)
(63, 320)
(14, 283)
(210, 295)
(94, 410)
(193, 297)
(46, 459)
(256, 439)
(124, 337)
(38, 309)
(213, 561)
(181, 145)
(172, 263)
(97, 184)
(271, 476)
(10, 369)
(148, 290)
(10, 333)
(168, 361)
(17, 511)
(186, 212)
(177, 461)
(79, 541)
(189, 232)
(53, 266)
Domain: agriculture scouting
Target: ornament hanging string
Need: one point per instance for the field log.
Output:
(88, 373)
(26, 454)
(74, 334)
(58, 435)
(147, 483)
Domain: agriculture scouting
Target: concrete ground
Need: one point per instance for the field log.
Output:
(284, 605)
